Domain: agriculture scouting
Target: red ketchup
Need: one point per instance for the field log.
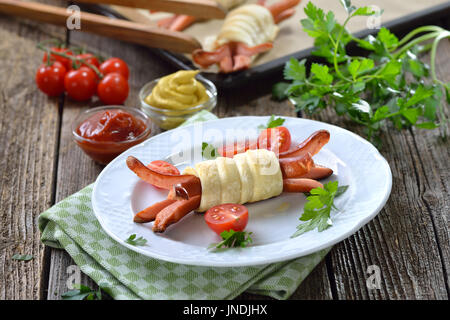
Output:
(107, 133)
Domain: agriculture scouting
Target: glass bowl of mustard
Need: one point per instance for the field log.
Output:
(170, 100)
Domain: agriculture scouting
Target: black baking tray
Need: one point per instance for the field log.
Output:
(437, 15)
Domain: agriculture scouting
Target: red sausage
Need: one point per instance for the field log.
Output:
(296, 166)
(318, 172)
(174, 212)
(300, 185)
(149, 214)
(311, 145)
(164, 181)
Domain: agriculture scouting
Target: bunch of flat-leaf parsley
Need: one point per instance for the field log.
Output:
(386, 84)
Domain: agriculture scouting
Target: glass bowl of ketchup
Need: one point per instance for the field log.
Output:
(105, 132)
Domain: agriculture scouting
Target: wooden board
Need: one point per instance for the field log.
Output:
(29, 129)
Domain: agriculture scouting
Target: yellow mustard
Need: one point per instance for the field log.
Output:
(178, 91)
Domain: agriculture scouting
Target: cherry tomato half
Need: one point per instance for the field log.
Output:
(113, 89)
(164, 167)
(238, 147)
(115, 65)
(227, 216)
(66, 62)
(80, 84)
(276, 139)
(50, 79)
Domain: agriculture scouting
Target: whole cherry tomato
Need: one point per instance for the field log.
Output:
(80, 84)
(89, 58)
(66, 62)
(113, 89)
(114, 65)
(227, 216)
(50, 79)
(276, 139)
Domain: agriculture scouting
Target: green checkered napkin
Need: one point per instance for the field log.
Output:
(124, 274)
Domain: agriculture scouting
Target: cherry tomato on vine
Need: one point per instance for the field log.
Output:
(113, 89)
(164, 167)
(66, 62)
(89, 58)
(115, 65)
(80, 84)
(276, 139)
(227, 216)
(50, 79)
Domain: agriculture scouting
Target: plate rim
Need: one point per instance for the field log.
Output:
(343, 236)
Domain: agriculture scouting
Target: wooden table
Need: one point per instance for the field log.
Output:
(41, 165)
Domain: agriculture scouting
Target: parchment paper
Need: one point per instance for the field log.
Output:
(291, 37)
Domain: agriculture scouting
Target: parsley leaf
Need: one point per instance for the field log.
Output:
(321, 73)
(22, 257)
(363, 11)
(279, 91)
(358, 67)
(348, 6)
(295, 69)
(233, 239)
(316, 212)
(82, 292)
(209, 152)
(136, 241)
(272, 123)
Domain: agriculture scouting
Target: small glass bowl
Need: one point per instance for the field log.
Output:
(168, 118)
(104, 152)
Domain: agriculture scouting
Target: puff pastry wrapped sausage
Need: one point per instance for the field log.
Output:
(247, 177)
(247, 31)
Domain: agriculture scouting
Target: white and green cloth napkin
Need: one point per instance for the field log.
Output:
(124, 274)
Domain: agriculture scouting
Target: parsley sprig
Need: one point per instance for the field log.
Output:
(82, 292)
(272, 123)
(385, 85)
(318, 208)
(134, 241)
(233, 239)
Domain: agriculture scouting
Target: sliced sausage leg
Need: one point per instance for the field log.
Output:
(149, 214)
(174, 212)
(300, 185)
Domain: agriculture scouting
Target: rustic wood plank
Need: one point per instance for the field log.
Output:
(28, 135)
(435, 165)
(75, 169)
(316, 286)
(401, 240)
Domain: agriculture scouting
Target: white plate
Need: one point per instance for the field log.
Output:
(119, 194)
